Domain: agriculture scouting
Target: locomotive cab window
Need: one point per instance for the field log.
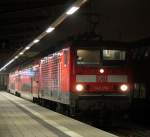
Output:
(114, 57)
(88, 57)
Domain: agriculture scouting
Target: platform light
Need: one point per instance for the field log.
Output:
(36, 41)
(16, 57)
(13, 60)
(21, 53)
(27, 47)
(3, 68)
(50, 29)
(72, 10)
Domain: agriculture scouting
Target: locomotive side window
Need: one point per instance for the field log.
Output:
(88, 57)
(114, 55)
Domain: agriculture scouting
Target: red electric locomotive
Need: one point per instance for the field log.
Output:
(79, 77)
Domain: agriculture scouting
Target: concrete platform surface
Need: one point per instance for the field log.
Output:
(22, 118)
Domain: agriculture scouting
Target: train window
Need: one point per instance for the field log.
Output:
(114, 55)
(88, 57)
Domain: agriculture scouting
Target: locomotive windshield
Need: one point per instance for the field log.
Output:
(93, 57)
(88, 57)
(116, 55)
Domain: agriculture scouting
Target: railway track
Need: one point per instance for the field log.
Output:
(124, 128)
(131, 130)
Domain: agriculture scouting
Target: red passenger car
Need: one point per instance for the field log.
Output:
(78, 77)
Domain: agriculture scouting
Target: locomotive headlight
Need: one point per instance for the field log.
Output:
(124, 87)
(79, 87)
(101, 70)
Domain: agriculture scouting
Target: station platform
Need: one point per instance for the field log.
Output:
(22, 118)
